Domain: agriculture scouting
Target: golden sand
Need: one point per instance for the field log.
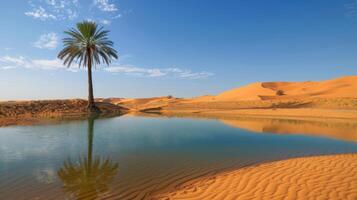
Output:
(322, 177)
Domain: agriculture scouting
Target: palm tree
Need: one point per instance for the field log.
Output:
(87, 45)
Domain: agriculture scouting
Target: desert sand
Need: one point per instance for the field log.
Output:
(340, 93)
(337, 94)
(341, 87)
(322, 177)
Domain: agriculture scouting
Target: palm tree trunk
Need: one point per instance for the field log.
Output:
(91, 104)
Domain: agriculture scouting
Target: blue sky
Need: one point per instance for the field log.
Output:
(182, 48)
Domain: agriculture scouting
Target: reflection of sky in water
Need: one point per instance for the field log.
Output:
(37, 152)
(18, 143)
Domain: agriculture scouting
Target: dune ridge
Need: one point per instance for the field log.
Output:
(340, 87)
(320, 177)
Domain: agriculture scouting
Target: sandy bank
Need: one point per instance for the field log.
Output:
(29, 112)
(322, 177)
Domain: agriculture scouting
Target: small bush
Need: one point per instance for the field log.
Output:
(280, 93)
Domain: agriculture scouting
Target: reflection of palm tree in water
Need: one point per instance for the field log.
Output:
(87, 178)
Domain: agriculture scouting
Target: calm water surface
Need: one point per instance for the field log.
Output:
(136, 157)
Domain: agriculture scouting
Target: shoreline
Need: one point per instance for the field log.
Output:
(324, 177)
(286, 113)
(219, 114)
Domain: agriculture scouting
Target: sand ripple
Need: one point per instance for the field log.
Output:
(321, 177)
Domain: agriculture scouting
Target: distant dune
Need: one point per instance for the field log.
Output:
(336, 88)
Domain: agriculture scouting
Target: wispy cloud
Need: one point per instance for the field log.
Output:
(351, 8)
(8, 48)
(157, 72)
(20, 60)
(47, 41)
(105, 6)
(40, 13)
(46, 64)
(53, 9)
(117, 16)
(10, 62)
(105, 22)
(46, 10)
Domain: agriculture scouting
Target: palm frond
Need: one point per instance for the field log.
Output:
(87, 42)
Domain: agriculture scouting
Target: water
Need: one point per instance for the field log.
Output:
(136, 157)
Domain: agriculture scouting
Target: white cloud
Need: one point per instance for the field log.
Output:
(8, 48)
(189, 74)
(157, 72)
(106, 22)
(7, 67)
(46, 64)
(40, 13)
(46, 10)
(351, 8)
(104, 5)
(53, 9)
(117, 16)
(47, 41)
(10, 62)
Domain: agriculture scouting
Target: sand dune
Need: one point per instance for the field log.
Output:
(340, 93)
(335, 98)
(323, 177)
(250, 92)
(142, 103)
(340, 87)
